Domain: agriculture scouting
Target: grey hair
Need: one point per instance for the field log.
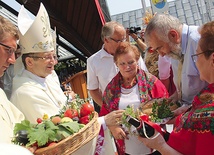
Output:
(161, 24)
(109, 28)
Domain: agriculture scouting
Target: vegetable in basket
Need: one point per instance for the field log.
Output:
(55, 128)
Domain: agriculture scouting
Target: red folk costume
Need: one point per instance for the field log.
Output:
(194, 130)
(149, 87)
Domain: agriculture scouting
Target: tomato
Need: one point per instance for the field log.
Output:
(39, 120)
(71, 113)
(35, 145)
(54, 150)
(86, 109)
(51, 143)
(84, 119)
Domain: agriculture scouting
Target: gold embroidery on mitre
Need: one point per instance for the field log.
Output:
(46, 33)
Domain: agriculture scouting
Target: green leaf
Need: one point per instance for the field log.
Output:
(50, 124)
(63, 132)
(132, 112)
(128, 111)
(81, 125)
(43, 133)
(73, 127)
(40, 136)
(24, 125)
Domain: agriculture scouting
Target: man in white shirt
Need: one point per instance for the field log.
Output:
(9, 114)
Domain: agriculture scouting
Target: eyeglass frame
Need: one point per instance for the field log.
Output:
(117, 41)
(196, 56)
(45, 57)
(10, 50)
(130, 64)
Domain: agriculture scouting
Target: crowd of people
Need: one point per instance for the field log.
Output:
(178, 46)
(116, 77)
(35, 87)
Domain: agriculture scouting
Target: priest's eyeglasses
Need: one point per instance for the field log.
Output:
(48, 58)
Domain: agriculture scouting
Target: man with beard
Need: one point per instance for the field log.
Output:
(168, 36)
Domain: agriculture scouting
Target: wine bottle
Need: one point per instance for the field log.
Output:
(144, 130)
(21, 137)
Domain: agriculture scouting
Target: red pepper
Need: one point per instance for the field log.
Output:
(84, 119)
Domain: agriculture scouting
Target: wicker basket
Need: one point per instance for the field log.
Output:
(74, 142)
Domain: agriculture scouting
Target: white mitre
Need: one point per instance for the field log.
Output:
(35, 36)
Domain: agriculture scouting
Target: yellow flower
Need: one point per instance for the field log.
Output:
(45, 117)
(148, 17)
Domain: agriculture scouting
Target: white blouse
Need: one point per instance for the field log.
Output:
(132, 97)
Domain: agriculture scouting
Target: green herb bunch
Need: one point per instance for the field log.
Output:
(130, 111)
(161, 110)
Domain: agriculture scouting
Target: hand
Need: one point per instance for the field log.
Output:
(133, 35)
(70, 93)
(142, 33)
(113, 118)
(118, 132)
(158, 143)
(155, 143)
(174, 97)
(181, 109)
(32, 149)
